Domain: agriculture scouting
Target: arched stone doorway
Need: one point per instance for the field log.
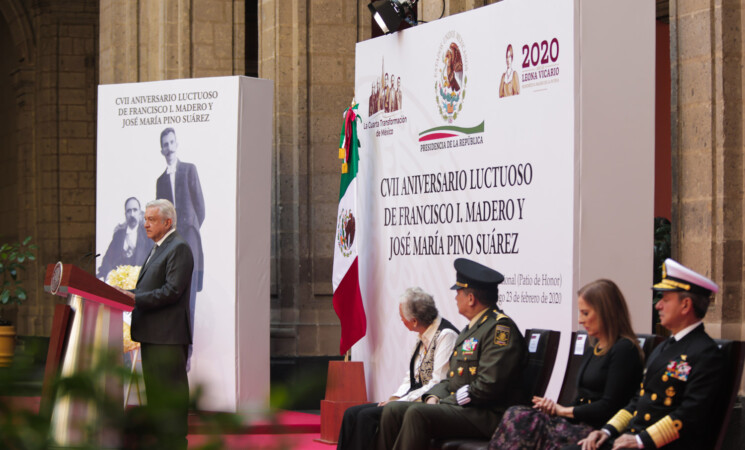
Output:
(17, 50)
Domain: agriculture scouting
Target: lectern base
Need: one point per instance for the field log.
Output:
(95, 334)
(345, 387)
(332, 414)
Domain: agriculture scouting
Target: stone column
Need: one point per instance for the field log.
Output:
(151, 40)
(307, 48)
(706, 59)
(283, 58)
(430, 10)
(119, 42)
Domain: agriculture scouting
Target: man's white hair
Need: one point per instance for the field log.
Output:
(166, 209)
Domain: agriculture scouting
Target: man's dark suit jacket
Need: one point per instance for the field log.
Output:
(190, 209)
(161, 314)
(115, 256)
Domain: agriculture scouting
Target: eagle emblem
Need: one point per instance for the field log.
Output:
(451, 77)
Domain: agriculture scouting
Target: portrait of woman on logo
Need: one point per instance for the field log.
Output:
(509, 85)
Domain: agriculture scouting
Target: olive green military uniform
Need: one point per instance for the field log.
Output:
(489, 359)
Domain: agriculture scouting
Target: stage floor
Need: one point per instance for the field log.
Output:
(263, 441)
(289, 430)
(286, 430)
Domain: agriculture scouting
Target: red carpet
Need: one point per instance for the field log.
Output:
(283, 422)
(262, 441)
(286, 430)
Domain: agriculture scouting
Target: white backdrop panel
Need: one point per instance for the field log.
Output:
(204, 114)
(511, 202)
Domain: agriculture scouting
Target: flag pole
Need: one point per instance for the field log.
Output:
(345, 381)
(348, 354)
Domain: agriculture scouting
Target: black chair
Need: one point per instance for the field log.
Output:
(733, 353)
(648, 342)
(542, 347)
(569, 387)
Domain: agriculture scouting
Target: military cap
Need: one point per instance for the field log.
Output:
(677, 277)
(470, 274)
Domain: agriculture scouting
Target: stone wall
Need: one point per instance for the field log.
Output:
(8, 147)
(54, 77)
(307, 48)
(707, 123)
(171, 39)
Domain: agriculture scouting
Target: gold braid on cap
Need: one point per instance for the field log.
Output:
(620, 421)
(664, 431)
(462, 285)
(669, 283)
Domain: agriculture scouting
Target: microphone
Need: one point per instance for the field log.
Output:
(87, 257)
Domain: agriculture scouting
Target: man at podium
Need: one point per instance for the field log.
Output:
(160, 322)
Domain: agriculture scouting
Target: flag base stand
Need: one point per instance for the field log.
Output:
(345, 387)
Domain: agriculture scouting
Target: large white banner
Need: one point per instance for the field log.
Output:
(467, 150)
(201, 128)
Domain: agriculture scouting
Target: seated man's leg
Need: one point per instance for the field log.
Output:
(359, 426)
(422, 422)
(390, 423)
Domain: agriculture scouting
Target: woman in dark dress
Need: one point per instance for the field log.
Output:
(607, 379)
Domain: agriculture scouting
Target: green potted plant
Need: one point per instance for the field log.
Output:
(13, 259)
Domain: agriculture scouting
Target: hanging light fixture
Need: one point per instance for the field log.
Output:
(390, 13)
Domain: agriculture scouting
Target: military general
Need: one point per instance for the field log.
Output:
(483, 377)
(672, 407)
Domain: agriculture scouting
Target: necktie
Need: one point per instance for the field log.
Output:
(152, 252)
(668, 342)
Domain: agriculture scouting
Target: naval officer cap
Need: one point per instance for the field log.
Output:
(677, 277)
(470, 274)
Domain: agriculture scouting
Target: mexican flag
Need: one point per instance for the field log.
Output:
(345, 279)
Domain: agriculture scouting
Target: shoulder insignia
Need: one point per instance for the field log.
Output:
(501, 316)
(502, 335)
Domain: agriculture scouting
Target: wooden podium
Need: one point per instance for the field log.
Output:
(345, 387)
(86, 330)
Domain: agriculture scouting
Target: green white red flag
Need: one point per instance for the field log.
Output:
(345, 278)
